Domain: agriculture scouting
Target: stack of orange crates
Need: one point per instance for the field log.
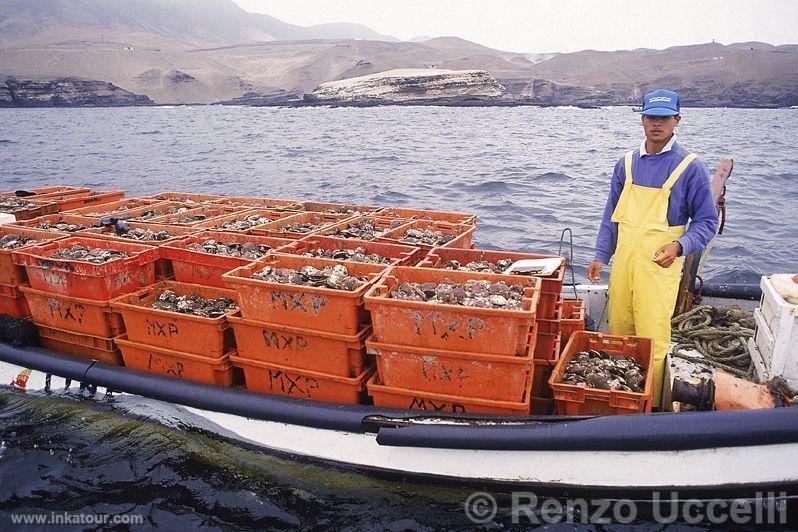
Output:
(549, 341)
(69, 300)
(178, 345)
(302, 341)
(13, 277)
(452, 358)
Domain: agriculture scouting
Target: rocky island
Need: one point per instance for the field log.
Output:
(411, 85)
(66, 92)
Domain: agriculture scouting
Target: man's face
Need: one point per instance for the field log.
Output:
(659, 128)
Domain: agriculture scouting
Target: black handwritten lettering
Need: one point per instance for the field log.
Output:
(158, 329)
(317, 302)
(418, 403)
(271, 339)
(283, 341)
(292, 384)
(277, 298)
(475, 325)
(175, 370)
(299, 302)
(446, 374)
(288, 342)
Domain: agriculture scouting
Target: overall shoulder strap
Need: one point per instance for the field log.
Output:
(678, 171)
(627, 161)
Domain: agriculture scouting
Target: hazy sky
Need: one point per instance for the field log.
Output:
(555, 25)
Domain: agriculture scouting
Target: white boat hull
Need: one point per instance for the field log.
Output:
(699, 469)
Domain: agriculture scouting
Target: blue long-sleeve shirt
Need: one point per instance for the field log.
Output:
(691, 198)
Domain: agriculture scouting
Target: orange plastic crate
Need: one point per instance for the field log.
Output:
(390, 397)
(43, 192)
(84, 316)
(37, 223)
(540, 378)
(163, 267)
(148, 213)
(114, 208)
(176, 232)
(337, 208)
(301, 383)
(463, 233)
(68, 202)
(541, 406)
(439, 371)
(574, 400)
(335, 354)
(13, 302)
(261, 203)
(573, 318)
(424, 214)
(83, 279)
(33, 209)
(217, 371)
(381, 225)
(211, 337)
(454, 327)
(548, 345)
(551, 326)
(10, 273)
(549, 289)
(187, 198)
(197, 267)
(209, 211)
(319, 309)
(279, 228)
(400, 255)
(81, 345)
(215, 224)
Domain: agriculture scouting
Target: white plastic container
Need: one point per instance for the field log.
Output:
(774, 347)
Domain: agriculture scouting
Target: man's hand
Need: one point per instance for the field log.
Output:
(667, 254)
(594, 271)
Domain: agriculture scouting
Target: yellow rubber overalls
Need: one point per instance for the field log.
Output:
(643, 293)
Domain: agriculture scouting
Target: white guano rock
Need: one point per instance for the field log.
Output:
(407, 85)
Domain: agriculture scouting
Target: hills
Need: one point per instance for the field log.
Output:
(178, 24)
(210, 51)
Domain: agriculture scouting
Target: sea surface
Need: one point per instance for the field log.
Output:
(527, 172)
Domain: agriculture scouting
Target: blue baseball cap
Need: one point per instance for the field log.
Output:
(661, 102)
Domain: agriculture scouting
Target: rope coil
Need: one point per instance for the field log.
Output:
(720, 334)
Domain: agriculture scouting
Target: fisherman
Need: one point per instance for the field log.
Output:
(655, 190)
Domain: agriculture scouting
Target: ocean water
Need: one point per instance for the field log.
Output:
(528, 173)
